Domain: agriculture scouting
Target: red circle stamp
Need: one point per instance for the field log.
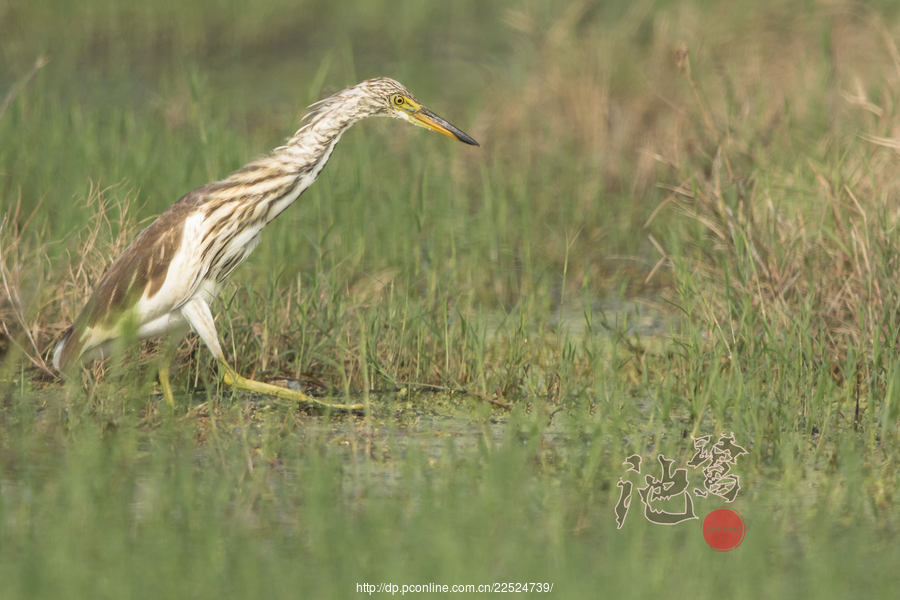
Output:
(723, 529)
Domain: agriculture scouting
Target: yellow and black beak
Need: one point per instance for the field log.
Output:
(427, 119)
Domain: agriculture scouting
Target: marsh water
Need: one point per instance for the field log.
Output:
(432, 424)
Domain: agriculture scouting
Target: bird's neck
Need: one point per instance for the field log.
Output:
(311, 147)
(281, 177)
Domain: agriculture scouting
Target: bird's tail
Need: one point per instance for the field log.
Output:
(66, 350)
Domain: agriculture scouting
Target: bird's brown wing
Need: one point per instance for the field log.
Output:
(140, 271)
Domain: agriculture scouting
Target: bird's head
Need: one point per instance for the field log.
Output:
(389, 98)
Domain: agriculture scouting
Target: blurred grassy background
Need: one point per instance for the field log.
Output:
(736, 163)
(582, 109)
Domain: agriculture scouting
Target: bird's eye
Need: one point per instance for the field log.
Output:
(398, 100)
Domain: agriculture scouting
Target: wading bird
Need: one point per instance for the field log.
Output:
(164, 281)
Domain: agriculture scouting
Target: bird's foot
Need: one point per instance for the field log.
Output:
(231, 378)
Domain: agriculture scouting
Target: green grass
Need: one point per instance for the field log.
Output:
(744, 193)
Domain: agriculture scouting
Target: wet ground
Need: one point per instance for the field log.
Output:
(435, 424)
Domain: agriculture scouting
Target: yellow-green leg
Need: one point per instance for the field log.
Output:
(167, 351)
(164, 383)
(197, 313)
(231, 377)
